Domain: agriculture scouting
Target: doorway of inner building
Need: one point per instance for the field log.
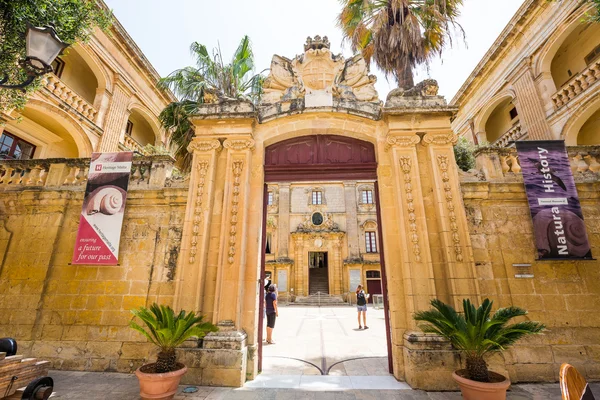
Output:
(322, 237)
(318, 279)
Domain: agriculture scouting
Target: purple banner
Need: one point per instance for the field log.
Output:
(558, 224)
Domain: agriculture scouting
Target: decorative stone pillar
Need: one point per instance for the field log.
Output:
(453, 231)
(351, 220)
(283, 233)
(418, 274)
(192, 260)
(530, 108)
(117, 115)
(231, 265)
(300, 266)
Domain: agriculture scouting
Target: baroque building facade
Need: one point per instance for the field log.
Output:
(320, 166)
(322, 238)
(539, 80)
(102, 96)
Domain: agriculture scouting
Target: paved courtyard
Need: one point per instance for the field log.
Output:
(113, 386)
(326, 341)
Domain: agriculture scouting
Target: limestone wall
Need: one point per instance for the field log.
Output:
(565, 295)
(76, 316)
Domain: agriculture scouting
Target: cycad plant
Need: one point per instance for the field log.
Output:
(168, 330)
(477, 332)
(399, 34)
(210, 80)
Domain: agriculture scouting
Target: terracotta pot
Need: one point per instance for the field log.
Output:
(159, 386)
(473, 390)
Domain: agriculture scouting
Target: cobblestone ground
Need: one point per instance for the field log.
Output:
(113, 386)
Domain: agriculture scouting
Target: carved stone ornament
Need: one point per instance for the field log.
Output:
(440, 138)
(237, 167)
(402, 141)
(319, 70)
(406, 165)
(201, 145)
(197, 218)
(239, 144)
(326, 224)
(443, 165)
(426, 88)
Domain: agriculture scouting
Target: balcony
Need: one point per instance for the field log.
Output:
(503, 164)
(59, 89)
(513, 134)
(132, 144)
(153, 172)
(577, 85)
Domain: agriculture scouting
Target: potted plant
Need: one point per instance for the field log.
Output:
(166, 330)
(477, 333)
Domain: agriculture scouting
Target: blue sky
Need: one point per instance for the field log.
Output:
(165, 29)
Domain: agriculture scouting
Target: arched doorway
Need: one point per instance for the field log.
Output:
(314, 166)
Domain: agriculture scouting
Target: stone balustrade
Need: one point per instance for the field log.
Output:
(132, 144)
(513, 134)
(151, 172)
(63, 92)
(503, 163)
(577, 85)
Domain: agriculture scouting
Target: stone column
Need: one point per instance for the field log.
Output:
(451, 219)
(231, 264)
(530, 107)
(283, 229)
(116, 116)
(299, 265)
(417, 268)
(351, 220)
(193, 254)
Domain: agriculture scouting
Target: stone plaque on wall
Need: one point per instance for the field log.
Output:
(355, 278)
(282, 278)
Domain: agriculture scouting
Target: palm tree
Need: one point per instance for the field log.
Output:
(399, 34)
(210, 80)
(475, 333)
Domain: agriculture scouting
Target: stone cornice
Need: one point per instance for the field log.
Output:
(511, 29)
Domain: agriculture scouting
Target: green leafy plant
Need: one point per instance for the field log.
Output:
(464, 154)
(168, 330)
(211, 80)
(477, 332)
(74, 20)
(399, 34)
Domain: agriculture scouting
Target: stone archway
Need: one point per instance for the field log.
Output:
(322, 158)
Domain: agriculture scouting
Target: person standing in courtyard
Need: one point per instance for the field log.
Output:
(272, 312)
(361, 305)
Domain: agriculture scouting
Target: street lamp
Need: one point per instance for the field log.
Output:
(42, 47)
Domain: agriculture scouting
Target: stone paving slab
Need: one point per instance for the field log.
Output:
(115, 386)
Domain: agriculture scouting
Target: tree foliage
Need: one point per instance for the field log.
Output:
(73, 20)
(168, 330)
(210, 80)
(463, 152)
(399, 35)
(477, 332)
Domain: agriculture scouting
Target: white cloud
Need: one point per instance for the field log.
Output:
(164, 31)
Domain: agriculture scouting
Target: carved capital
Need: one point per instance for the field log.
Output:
(440, 138)
(402, 141)
(202, 145)
(239, 144)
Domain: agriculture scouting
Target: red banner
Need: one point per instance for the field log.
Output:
(101, 217)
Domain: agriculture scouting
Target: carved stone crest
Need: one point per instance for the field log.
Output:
(319, 71)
